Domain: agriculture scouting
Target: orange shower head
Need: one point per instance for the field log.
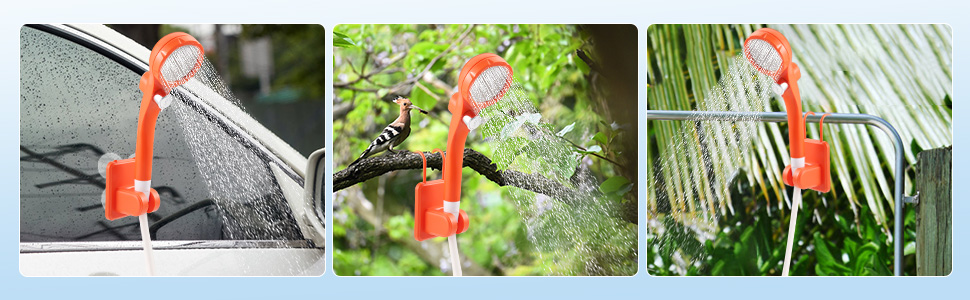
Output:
(482, 82)
(769, 52)
(174, 60)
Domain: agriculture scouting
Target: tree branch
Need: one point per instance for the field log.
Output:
(383, 69)
(372, 167)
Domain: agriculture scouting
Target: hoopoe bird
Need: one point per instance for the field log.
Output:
(395, 133)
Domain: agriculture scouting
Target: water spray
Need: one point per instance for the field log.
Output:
(174, 60)
(768, 50)
(482, 82)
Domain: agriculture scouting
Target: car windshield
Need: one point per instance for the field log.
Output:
(77, 105)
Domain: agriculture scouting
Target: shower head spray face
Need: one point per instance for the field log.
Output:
(175, 59)
(769, 52)
(483, 81)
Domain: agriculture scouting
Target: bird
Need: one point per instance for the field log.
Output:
(395, 133)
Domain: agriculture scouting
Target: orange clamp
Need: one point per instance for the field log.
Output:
(815, 174)
(430, 219)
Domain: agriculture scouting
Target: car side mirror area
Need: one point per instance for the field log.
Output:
(314, 185)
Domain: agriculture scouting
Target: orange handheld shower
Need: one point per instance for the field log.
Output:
(768, 50)
(174, 60)
(482, 82)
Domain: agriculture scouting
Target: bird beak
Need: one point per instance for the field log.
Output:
(419, 109)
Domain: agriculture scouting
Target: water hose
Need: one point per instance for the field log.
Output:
(146, 241)
(452, 239)
(795, 203)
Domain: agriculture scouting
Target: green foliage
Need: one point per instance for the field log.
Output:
(376, 63)
(299, 66)
(831, 240)
(849, 232)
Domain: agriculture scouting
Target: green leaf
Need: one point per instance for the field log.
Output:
(910, 248)
(864, 258)
(512, 127)
(511, 148)
(422, 99)
(532, 118)
(613, 184)
(343, 41)
(593, 149)
(601, 138)
(566, 129)
(827, 263)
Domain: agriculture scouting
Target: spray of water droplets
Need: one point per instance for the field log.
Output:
(571, 223)
(695, 171)
(243, 186)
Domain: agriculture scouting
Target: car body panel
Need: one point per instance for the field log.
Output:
(172, 258)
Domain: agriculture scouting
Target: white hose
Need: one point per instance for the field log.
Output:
(453, 209)
(453, 250)
(796, 202)
(146, 240)
(796, 195)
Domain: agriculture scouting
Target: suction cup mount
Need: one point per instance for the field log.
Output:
(430, 218)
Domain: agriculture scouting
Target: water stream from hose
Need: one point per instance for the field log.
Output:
(247, 197)
(697, 191)
(578, 228)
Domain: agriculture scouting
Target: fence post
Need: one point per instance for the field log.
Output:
(934, 231)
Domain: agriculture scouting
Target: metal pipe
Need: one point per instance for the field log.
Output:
(837, 118)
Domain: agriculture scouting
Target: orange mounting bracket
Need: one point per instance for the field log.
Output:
(815, 174)
(121, 199)
(430, 219)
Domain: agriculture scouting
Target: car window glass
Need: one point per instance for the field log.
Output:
(76, 105)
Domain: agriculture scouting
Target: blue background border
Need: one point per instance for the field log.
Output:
(640, 13)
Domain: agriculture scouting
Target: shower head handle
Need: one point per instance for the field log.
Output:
(793, 108)
(482, 82)
(145, 132)
(154, 87)
(455, 149)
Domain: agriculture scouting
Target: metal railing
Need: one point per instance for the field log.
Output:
(832, 118)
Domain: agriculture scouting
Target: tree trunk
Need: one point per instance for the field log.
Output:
(934, 224)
